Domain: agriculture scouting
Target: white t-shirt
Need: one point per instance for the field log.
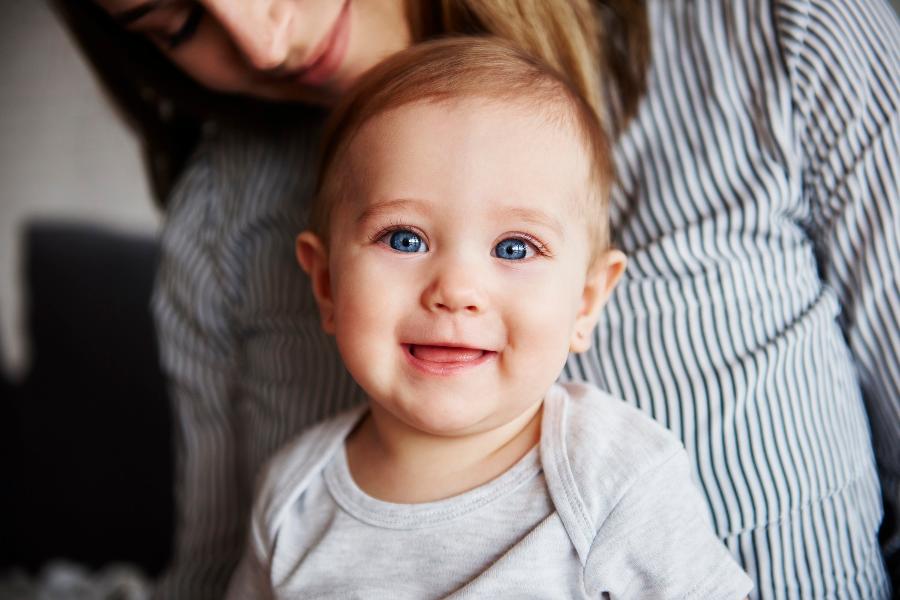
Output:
(603, 507)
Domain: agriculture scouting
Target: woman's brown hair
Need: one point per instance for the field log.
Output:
(167, 109)
(588, 40)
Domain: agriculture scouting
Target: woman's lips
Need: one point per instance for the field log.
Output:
(446, 360)
(331, 51)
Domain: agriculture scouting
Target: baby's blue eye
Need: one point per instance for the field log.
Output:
(511, 249)
(407, 241)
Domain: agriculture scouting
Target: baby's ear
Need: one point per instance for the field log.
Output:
(313, 257)
(598, 286)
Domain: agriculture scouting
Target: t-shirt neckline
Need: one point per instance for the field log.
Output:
(390, 515)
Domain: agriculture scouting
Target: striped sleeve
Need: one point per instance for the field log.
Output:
(844, 62)
(240, 340)
(194, 306)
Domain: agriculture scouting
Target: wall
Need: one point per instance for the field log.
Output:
(63, 152)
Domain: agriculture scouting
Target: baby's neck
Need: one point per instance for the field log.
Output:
(395, 463)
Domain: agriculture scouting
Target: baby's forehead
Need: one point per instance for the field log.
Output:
(502, 148)
(527, 112)
(514, 136)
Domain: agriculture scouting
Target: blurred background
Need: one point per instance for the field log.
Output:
(85, 437)
(85, 445)
(63, 153)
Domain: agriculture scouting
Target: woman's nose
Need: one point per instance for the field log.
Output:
(455, 288)
(259, 29)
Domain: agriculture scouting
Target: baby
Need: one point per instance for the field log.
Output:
(458, 251)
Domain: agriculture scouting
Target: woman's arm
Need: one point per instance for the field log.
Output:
(250, 579)
(248, 363)
(195, 310)
(844, 63)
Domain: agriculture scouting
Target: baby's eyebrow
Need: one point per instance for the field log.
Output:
(533, 216)
(385, 206)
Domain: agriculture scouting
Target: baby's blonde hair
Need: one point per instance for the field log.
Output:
(465, 68)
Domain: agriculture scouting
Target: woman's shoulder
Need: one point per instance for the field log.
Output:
(233, 215)
(243, 183)
(240, 172)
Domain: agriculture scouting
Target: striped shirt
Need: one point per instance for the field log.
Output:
(759, 205)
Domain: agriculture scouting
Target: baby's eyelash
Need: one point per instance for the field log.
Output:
(391, 228)
(540, 246)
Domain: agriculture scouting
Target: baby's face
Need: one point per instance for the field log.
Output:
(458, 263)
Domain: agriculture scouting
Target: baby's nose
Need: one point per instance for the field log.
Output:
(455, 288)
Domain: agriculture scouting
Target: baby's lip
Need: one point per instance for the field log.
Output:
(445, 354)
(443, 359)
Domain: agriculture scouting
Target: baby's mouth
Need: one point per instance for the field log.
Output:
(445, 354)
(446, 360)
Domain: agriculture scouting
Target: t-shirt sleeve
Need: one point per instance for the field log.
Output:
(658, 543)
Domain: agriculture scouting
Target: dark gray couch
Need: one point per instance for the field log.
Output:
(87, 458)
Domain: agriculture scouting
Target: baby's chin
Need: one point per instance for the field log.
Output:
(453, 417)
(444, 417)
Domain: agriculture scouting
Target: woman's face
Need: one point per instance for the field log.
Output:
(306, 50)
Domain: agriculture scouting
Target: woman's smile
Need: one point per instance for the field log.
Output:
(327, 58)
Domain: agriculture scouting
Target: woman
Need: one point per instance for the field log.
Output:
(758, 201)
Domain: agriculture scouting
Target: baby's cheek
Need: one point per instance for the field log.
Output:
(362, 347)
(542, 336)
(366, 314)
(363, 320)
